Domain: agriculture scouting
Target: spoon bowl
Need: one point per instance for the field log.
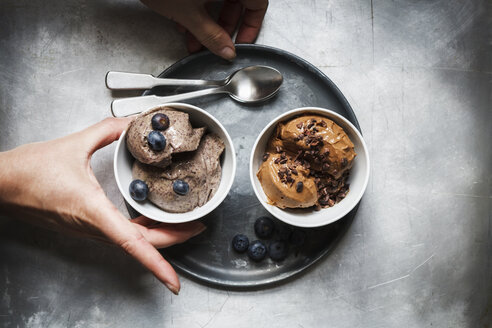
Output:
(254, 84)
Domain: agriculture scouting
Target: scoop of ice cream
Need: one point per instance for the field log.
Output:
(200, 169)
(313, 133)
(310, 149)
(288, 194)
(180, 137)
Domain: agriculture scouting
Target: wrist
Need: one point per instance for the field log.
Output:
(8, 178)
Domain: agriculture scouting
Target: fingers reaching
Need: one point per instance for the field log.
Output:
(135, 244)
(210, 34)
(193, 17)
(192, 44)
(163, 235)
(144, 221)
(253, 18)
(180, 28)
(229, 15)
(125, 234)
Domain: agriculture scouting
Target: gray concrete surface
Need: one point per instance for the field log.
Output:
(418, 254)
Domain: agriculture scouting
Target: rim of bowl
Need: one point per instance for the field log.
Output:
(191, 217)
(252, 175)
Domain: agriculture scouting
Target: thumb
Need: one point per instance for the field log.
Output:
(103, 133)
(210, 34)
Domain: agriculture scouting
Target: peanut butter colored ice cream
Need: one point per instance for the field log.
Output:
(307, 163)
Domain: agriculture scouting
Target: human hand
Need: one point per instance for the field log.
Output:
(193, 16)
(52, 184)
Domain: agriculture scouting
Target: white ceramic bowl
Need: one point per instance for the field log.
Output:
(123, 162)
(359, 174)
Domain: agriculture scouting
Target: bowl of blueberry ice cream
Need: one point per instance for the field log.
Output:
(174, 163)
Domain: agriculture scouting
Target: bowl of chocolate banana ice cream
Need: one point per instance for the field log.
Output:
(174, 163)
(309, 167)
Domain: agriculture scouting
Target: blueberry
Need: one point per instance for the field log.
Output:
(181, 187)
(139, 190)
(160, 121)
(240, 243)
(156, 140)
(278, 251)
(284, 232)
(297, 237)
(264, 227)
(257, 250)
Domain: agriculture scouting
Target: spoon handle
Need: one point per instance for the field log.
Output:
(129, 81)
(134, 105)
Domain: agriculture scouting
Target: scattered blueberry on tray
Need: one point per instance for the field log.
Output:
(278, 250)
(264, 227)
(240, 243)
(138, 190)
(284, 232)
(285, 238)
(257, 250)
(297, 238)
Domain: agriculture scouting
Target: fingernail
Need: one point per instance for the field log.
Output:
(227, 53)
(172, 288)
(199, 230)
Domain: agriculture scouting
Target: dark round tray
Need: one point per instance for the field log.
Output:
(209, 257)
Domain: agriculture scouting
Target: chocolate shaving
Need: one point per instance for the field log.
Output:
(299, 186)
(265, 156)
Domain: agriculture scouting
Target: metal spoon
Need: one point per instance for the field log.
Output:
(135, 81)
(247, 85)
